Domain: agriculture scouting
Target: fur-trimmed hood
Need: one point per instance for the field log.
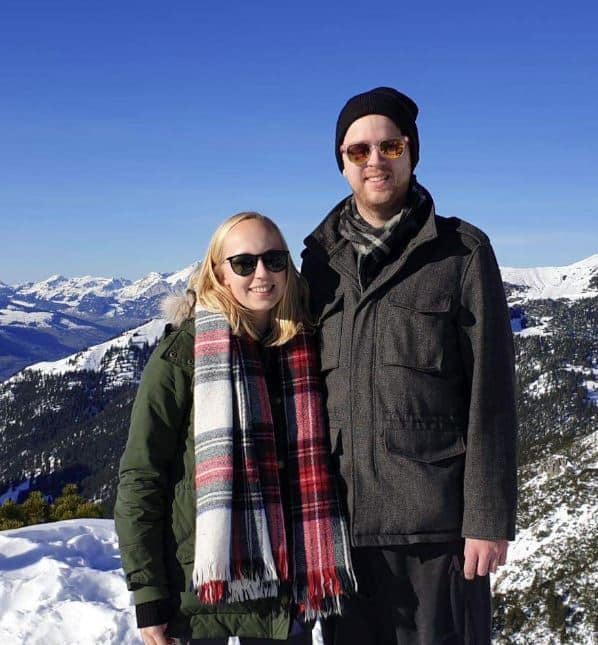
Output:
(177, 307)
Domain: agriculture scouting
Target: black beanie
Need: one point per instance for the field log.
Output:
(385, 101)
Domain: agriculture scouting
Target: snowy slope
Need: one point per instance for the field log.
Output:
(61, 583)
(578, 280)
(92, 358)
(550, 581)
(11, 315)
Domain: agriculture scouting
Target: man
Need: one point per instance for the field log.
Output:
(418, 359)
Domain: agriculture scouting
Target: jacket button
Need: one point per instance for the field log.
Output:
(280, 464)
(172, 354)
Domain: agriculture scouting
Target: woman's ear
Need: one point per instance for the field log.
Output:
(220, 275)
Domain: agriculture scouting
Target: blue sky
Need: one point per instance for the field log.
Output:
(129, 130)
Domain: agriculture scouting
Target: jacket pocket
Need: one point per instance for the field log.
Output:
(330, 325)
(414, 331)
(428, 439)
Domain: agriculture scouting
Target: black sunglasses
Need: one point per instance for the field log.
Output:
(245, 263)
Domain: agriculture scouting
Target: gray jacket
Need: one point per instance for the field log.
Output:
(419, 370)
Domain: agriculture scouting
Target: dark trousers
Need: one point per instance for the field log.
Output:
(413, 595)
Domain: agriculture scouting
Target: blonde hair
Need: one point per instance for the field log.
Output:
(288, 317)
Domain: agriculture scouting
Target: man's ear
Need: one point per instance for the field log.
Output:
(344, 171)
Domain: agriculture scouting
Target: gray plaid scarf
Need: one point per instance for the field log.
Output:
(373, 245)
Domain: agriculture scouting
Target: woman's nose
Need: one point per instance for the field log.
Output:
(260, 269)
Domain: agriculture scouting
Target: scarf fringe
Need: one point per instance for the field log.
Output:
(329, 606)
(240, 590)
(215, 586)
(323, 597)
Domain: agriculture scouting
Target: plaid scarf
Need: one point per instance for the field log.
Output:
(241, 543)
(374, 244)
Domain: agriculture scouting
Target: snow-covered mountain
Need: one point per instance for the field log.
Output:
(578, 280)
(80, 292)
(53, 318)
(546, 593)
(96, 358)
(70, 291)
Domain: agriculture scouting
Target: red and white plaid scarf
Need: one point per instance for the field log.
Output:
(241, 542)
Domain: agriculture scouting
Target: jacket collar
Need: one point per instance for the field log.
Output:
(327, 243)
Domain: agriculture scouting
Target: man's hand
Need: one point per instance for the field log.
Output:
(483, 556)
(155, 635)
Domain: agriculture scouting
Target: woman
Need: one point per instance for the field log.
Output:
(227, 515)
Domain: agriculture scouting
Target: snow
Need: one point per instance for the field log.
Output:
(25, 318)
(91, 358)
(564, 515)
(537, 330)
(62, 583)
(572, 281)
(540, 386)
(579, 369)
(591, 384)
(533, 331)
(69, 324)
(544, 382)
(592, 388)
(155, 284)
(181, 276)
(71, 290)
(9, 395)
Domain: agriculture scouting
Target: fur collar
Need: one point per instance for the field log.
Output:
(177, 307)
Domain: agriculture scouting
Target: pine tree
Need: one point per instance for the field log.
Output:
(11, 516)
(35, 509)
(71, 505)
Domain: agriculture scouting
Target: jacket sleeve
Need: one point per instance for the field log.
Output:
(159, 412)
(490, 479)
(322, 281)
(310, 271)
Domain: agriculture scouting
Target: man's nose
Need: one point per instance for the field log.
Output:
(375, 157)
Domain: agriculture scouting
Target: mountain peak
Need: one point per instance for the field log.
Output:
(54, 280)
(573, 281)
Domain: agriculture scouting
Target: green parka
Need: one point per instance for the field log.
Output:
(154, 512)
